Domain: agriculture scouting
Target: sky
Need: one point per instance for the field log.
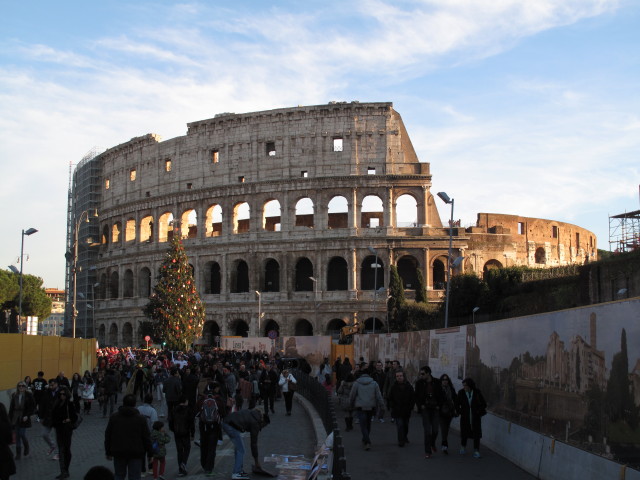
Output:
(527, 108)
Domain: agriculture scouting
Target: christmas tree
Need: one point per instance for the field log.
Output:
(175, 307)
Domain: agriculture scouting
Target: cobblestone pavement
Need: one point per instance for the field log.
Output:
(290, 435)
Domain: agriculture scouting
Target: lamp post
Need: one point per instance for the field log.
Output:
(445, 198)
(375, 286)
(473, 313)
(74, 312)
(259, 311)
(28, 231)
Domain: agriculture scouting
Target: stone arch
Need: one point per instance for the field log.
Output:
(439, 273)
(490, 265)
(272, 216)
(189, 224)
(114, 282)
(303, 328)
(337, 274)
(541, 256)
(105, 235)
(113, 335)
(116, 229)
(407, 270)
(127, 284)
(369, 279)
(130, 230)
(304, 213)
(212, 278)
(369, 323)
(304, 270)
(240, 328)
(240, 277)
(210, 330)
(271, 325)
(102, 335)
(103, 287)
(165, 227)
(144, 283)
(338, 212)
(335, 326)
(241, 217)
(213, 220)
(127, 334)
(372, 213)
(271, 276)
(406, 211)
(146, 229)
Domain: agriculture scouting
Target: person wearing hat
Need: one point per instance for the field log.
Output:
(252, 421)
(21, 408)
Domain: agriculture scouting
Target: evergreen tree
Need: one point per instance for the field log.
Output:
(421, 289)
(396, 300)
(619, 399)
(175, 307)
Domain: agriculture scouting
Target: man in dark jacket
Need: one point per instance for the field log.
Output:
(127, 440)
(172, 388)
(401, 401)
(429, 398)
(234, 424)
(268, 386)
(110, 386)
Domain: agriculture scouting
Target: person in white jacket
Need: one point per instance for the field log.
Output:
(287, 383)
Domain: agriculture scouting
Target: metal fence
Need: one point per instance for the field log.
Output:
(313, 391)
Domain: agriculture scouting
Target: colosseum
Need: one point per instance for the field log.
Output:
(291, 219)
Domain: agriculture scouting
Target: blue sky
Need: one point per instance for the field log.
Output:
(528, 108)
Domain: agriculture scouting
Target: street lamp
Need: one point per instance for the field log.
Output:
(259, 310)
(29, 231)
(85, 214)
(473, 313)
(375, 286)
(445, 198)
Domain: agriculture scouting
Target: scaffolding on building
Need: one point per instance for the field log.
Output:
(624, 232)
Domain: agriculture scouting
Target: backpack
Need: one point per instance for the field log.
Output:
(155, 447)
(209, 414)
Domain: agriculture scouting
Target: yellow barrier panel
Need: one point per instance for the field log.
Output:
(11, 355)
(31, 356)
(50, 356)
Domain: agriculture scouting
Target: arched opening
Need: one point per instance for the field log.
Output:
(438, 275)
(406, 211)
(271, 276)
(304, 213)
(144, 283)
(338, 213)
(272, 216)
(212, 279)
(127, 284)
(334, 326)
(189, 224)
(165, 227)
(368, 325)
(241, 329)
(271, 325)
(304, 270)
(372, 214)
(113, 335)
(210, 332)
(103, 288)
(303, 328)
(241, 216)
(105, 235)
(115, 232)
(130, 230)
(127, 334)
(146, 229)
(113, 285)
(490, 265)
(408, 271)
(240, 277)
(214, 221)
(541, 256)
(337, 274)
(369, 278)
(102, 335)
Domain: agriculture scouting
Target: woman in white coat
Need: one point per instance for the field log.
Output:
(287, 383)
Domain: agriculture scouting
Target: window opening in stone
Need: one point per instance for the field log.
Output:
(113, 334)
(271, 149)
(210, 331)
(215, 156)
(338, 213)
(113, 285)
(541, 257)
(371, 170)
(105, 235)
(337, 144)
(372, 209)
(144, 283)
(241, 217)
(127, 334)
(369, 279)
(334, 327)
(115, 232)
(304, 174)
(438, 275)
(408, 272)
(212, 281)
(271, 276)
(107, 184)
(304, 213)
(520, 228)
(214, 221)
(127, 284)
(240, 277)
(167, 165)
(132, 174)
(271, 216)
(406, 211)
(337, 274)
(304, 270)
(189, 186)
(577, 240)
(165, 227)
(241, 329)
(368, 325)
(303, 328)
(490, 265)
(271, 325)
(146, 229)
(130, 230)
(554, 231)
(103, 288)
(241, 179)
(189, 224)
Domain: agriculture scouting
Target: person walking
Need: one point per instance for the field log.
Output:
(209, 423)
(159, 440)
(448, 410)
(21, 407)
(379, 375)
(39, 389)
(110, 392)
(87, 393)
(365, 398)
(288, 385)
(428, 401)
(151, 416)
(46, 407)
(180, 426)
(268, 384)
(401, 401)
(344, 392)
(63, 419)
(252, 421)
(472, 407)
(172, 389)
(127, 440)
(7, 464)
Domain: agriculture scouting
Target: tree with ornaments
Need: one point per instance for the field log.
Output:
(175, 309)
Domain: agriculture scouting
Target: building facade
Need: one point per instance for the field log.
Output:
(291, 215)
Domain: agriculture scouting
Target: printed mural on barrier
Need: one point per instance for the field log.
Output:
(573, 374)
